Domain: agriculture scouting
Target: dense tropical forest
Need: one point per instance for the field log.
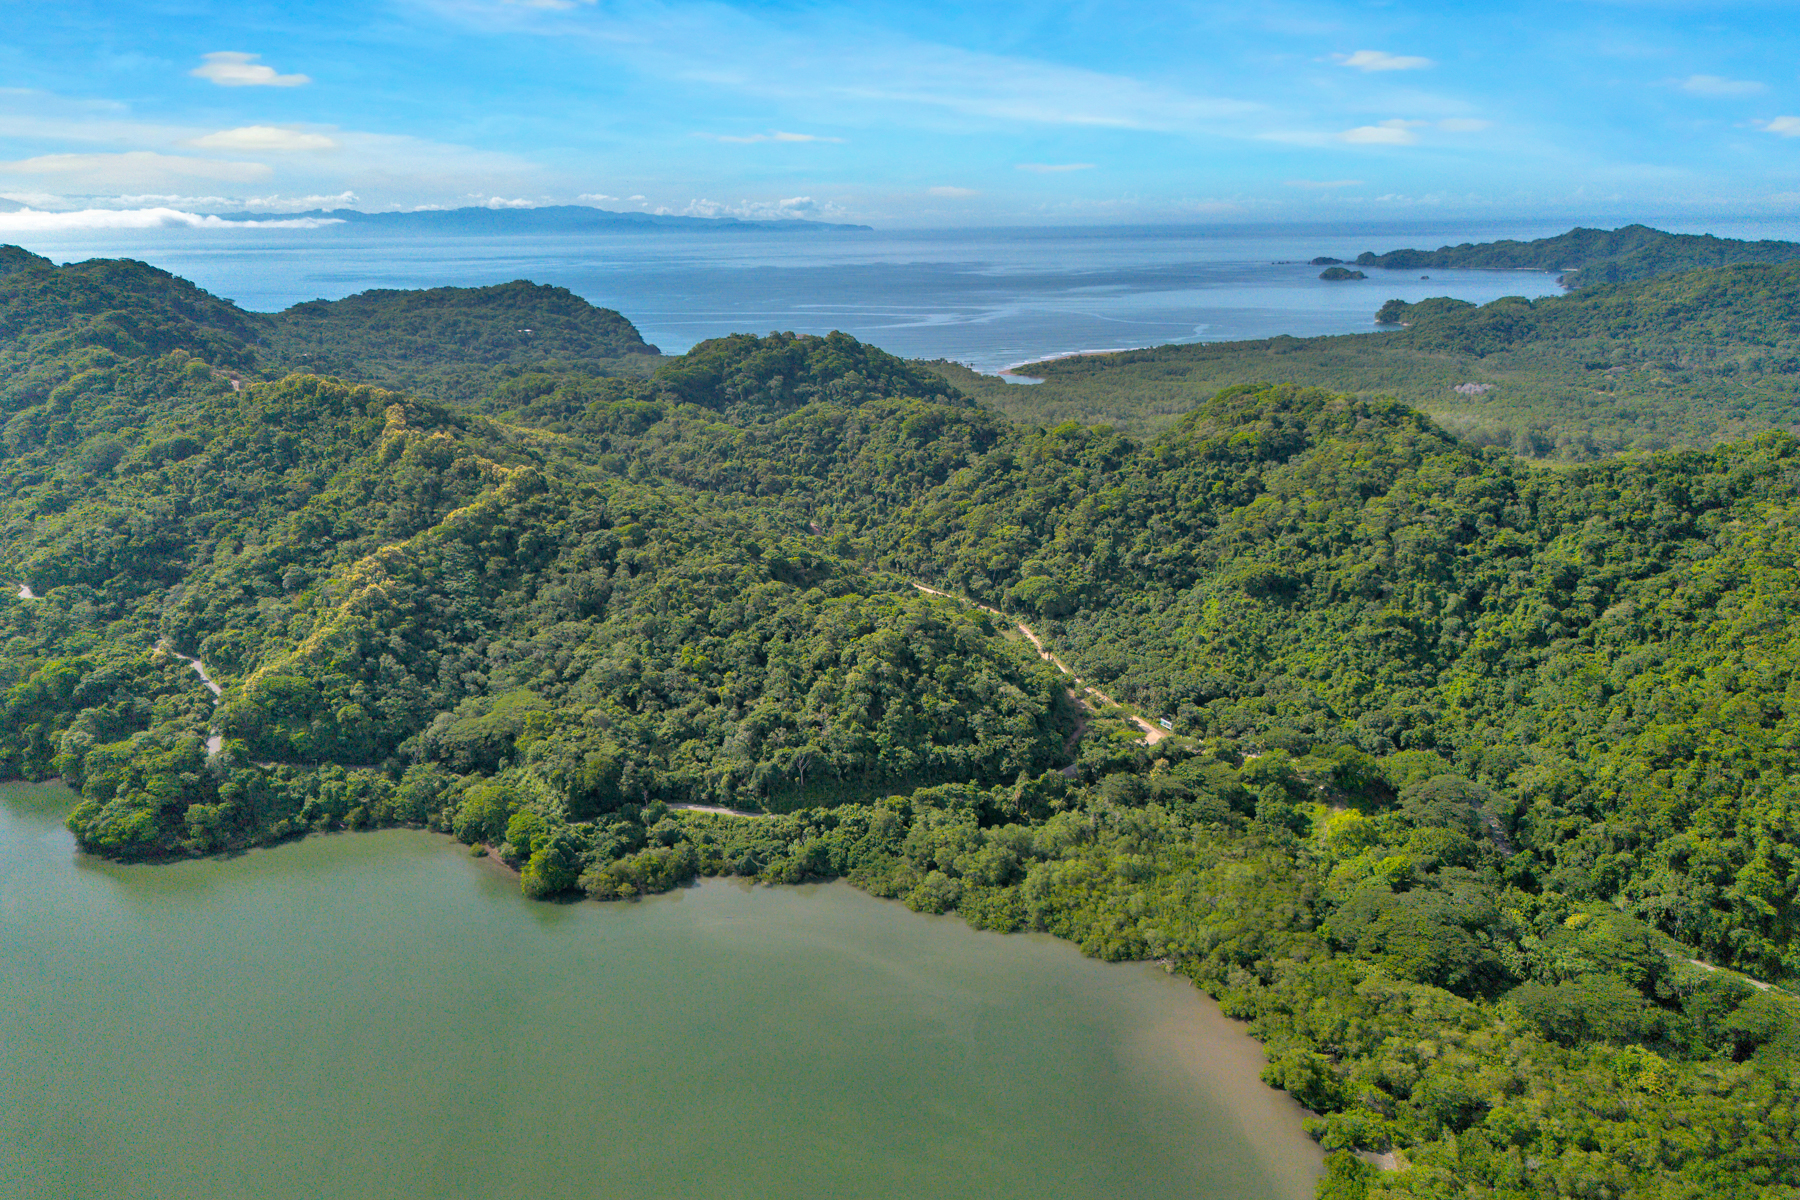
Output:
(1479, 799)
(1682, 360)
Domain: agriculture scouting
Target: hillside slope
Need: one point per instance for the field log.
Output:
(453, 343)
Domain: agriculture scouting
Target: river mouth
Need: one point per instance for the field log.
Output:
(375, 1015)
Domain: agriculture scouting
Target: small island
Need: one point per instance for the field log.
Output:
(1338, 274)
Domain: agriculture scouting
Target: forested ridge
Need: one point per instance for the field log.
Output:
(1594, 256)
(453, 343)
(1470, 757)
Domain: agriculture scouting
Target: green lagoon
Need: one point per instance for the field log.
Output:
(378, 1015)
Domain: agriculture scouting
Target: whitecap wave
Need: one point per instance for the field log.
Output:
(31, 220)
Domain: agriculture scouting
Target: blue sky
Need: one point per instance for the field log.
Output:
(906, 114)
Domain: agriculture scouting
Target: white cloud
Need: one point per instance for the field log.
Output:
(794, 207)
(186, 203)
(637, 199)
(597, 197)
(1316, 184)
(263, 137)
(103, 172)
(1381, 60)
(101, 153)
(775, 136)
(296, 203)
(1782, 126)
(1717, 86)
(952, 193)
(503, 202)
(234, 68)
(161, 200)
(32, 221)
(1054, 168)
(1388, 133)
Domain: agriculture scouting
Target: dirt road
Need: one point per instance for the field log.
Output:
(1152, 734)
(724, 812)
(215, 740)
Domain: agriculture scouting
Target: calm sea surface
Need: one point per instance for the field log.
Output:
(989, 298)
(377, 1015)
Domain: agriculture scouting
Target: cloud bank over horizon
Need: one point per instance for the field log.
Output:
(933, 114)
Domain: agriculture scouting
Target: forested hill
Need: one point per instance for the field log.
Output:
(1692, 314)
(1688, 359)
(130, 308)
(454, 343)
(17, 258)
(1480, 790)
(1588, 256)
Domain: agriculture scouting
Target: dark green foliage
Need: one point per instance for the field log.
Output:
(455, 343)
(17, 258)
(749, 378)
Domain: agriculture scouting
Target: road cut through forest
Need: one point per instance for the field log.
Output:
(1152, 734)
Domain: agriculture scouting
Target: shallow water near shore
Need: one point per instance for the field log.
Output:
(378, 1015)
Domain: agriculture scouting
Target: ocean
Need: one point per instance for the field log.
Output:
(990, 298)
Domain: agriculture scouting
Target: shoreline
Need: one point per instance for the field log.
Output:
(1013, 368)
(1200, 1036)
(1167, 1029)
(1017, 374)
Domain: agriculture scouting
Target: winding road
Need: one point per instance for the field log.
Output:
(215, 741)
(1758, 984)
(1152, 734)
(724, 812)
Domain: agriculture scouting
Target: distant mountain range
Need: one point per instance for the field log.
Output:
(556, 218)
